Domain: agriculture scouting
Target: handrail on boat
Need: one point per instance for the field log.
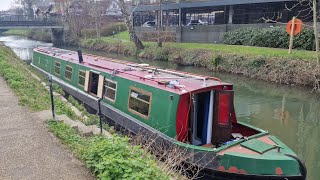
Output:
(123, 72)
(174, 72)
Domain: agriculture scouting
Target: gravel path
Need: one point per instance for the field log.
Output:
(28, 150)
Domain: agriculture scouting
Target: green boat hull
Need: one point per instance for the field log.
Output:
(213, 165)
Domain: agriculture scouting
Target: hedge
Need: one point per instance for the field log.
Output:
(275, 37)
(105, 31)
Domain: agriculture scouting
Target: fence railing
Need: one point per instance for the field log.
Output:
(21, 18)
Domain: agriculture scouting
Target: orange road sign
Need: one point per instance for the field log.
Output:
(297, 27)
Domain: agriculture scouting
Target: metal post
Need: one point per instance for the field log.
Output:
(231, 12)
(51, 97)
(291, 35)
(180, 18)
(160, 13)
(100, 114)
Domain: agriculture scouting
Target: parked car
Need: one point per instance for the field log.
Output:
(149, 24)
(197, 22)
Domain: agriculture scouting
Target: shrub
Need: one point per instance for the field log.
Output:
(105, 31)
(117, 27)
(109, 158)
(275, 37)
(40, 35)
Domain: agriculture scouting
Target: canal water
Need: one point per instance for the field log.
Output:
(290, 113)
(22, 46)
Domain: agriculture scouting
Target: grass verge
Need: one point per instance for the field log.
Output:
(35, 34)
(269, 64)
(17, 32)
(30, 92)
(236, 49)
(112, 158)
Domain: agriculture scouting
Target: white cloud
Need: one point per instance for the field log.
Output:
(6, 4)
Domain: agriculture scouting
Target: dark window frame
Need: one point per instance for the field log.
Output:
(68, 71)
(80, 76)
(142, 100)
(55, 66)
(107, 86)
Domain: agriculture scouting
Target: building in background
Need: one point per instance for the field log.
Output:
(175, 12)
(218, 16)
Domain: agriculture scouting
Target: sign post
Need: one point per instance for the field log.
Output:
(293, 28)
(291, 34)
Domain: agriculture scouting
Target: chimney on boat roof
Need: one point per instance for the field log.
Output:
(80, 56)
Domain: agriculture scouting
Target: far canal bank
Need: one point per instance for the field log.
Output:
(273, 65)
(291, 113)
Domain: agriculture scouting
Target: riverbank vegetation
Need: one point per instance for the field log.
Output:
(109, 158)
(269, 64)
(35, 34)
(30, 92)
(16, 32)
(113, 158)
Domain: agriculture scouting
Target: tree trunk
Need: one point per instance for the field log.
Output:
(97, 28)
(159, 41)
(315, 27)
(128, 20)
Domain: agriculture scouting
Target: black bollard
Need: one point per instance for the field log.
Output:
(51, 96)
(100, 114)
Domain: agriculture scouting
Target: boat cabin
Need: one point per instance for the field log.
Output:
(194, 109)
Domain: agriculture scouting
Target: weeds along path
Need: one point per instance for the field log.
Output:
(28, 150)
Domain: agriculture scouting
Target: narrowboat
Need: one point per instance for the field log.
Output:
(192, 112)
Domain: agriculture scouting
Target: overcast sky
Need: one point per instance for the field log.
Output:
(5, 4)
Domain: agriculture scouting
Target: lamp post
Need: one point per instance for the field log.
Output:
(159, 24)
(160, 9)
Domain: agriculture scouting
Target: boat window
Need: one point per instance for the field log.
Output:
(82, 77)
(68, 73)
(110, 90)
(140, 102)
(57, 68)
(39, 60)
(94, 83)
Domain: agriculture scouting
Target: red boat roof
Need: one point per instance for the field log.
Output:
(169, 80)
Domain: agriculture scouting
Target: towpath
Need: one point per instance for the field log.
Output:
(28, 150)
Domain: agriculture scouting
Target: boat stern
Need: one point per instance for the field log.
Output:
(265, 156)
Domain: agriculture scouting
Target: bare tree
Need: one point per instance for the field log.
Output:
(309, 8)
(18, 11)
(128, 18)
(315, 27)
(97, 11)
(29, 5)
